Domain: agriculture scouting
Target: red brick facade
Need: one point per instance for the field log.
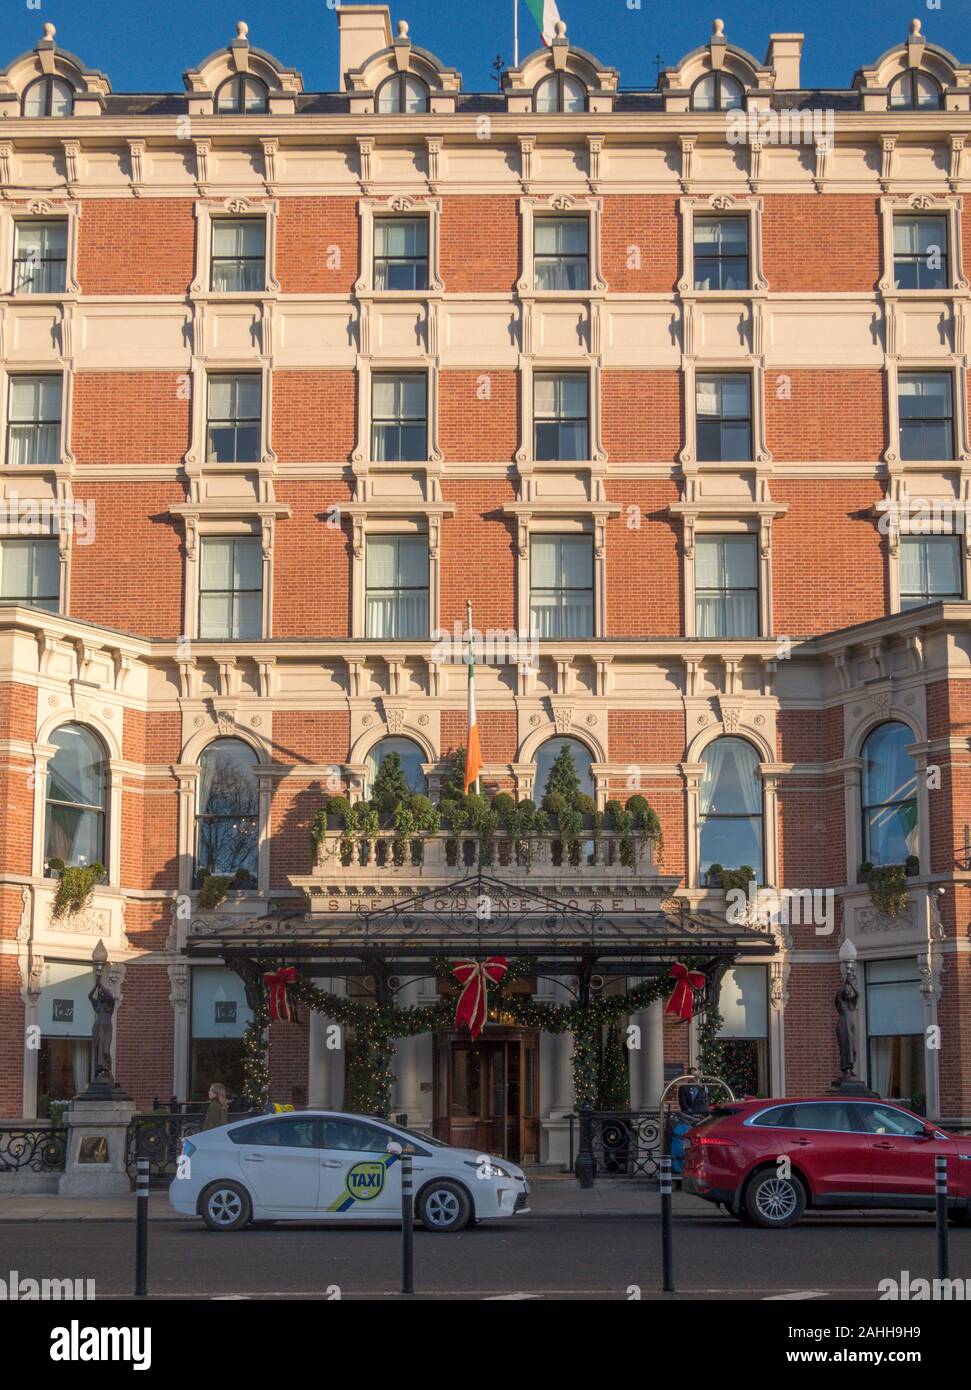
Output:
(643, 692)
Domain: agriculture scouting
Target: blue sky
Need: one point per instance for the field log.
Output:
(146, 46)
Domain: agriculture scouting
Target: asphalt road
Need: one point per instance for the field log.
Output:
(602, 1257)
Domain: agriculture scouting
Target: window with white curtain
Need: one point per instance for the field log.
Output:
(231, 588)
(40, 256)
(726, 586)
(915, 91)
(920, 253)
(402, 93)
(930, 570)
(730, 807)
(30, 573)
(889, 787)
(396, 582)
(233, 419)
(560, 92)
(924, 403)
(716, 91)
(242, 95)
(239, 254)
(561, 253)
(561, 586)
(561, 428)
(77, 792)
(401, 253)
(723, 416)
(721, 253)
(34, 419)
(895, 1030)
(399, 416)
(49, 96)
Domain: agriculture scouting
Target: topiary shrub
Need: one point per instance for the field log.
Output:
(391, 788)
(214, 887)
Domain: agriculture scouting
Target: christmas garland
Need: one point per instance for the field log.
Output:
(377, 1026)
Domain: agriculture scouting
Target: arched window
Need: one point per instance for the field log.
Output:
(915, 91)
(410, 756)
(242, 96)
(716, 91)
(227, 821)
(889, 796)
(560, 92)
(402, 93)
(76, 798)
(49, 96)
(546, 756)
(730, 807)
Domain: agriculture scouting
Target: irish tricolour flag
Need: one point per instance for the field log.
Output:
(546, 15)
(473, 749)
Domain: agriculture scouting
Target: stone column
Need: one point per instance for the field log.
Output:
(413, 1060)
(651, 1020)
(325, 1080)
(556, 1062)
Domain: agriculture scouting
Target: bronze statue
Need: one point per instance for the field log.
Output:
(103, 1003)
(847, 997)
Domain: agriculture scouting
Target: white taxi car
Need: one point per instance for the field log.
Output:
(323, 1165)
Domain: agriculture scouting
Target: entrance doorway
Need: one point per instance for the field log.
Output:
(486, 1091)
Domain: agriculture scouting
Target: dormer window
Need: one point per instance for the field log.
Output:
(716, 91)
(242, 96)
(49, 96)
(402, 93)
(560, 92)
(915, 91)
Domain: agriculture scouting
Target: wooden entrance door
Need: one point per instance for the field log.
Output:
(486, 1092)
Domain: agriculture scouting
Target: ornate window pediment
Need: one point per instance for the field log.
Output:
(915, 76)
(402, 79)
(242, 80)
(49, 81)
(718, 76)
(560, 78)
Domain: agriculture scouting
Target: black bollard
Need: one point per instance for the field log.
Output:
(141, 1229)
(667, 1269)
(940, 1193)
(407, 1226)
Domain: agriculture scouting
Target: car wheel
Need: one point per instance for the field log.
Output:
(444, 1206)
(774, 1201)
(960, 1217)
(226, 1206)
(740, 1215)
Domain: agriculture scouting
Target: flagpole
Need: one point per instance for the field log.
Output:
(515, 33)
(468, 609)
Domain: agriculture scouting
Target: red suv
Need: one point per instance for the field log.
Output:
(840, 1153)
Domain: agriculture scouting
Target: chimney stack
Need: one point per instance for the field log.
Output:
(364, 30)
(785, 51)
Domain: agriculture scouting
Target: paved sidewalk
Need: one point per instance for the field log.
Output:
(551, 1194)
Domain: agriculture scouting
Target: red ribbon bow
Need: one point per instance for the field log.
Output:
(474, 977)
(277, 985)
(681, 1003)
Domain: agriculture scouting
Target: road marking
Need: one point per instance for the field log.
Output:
(508, 1297)
(800, 1293)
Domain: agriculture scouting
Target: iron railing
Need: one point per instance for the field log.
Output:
(38, 1148)
(157, 1135)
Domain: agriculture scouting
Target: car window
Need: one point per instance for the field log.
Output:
(778, 1118)
(824, 1115)
(353, 1135)
(278, 1134)
(885, 1119)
